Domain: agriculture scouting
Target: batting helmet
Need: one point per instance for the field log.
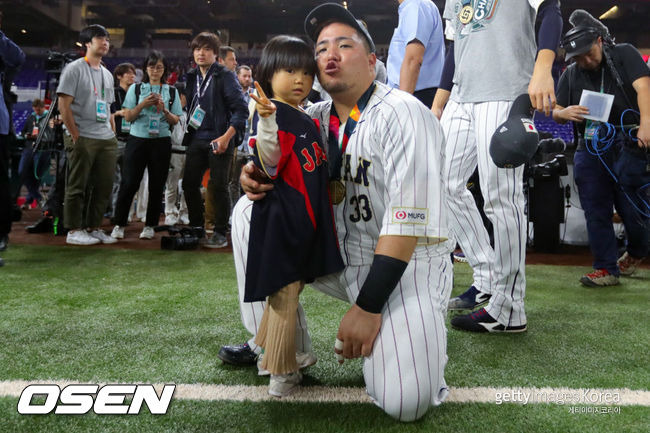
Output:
(515, 141)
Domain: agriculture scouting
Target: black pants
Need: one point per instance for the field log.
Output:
(140, 153)
(426, 95)
(199, 157)
(5, 194)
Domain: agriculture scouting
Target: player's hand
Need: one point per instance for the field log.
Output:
(264, 105)
(254, 187)
(542, 91)
(574, 113)
(219, 145)
(643, 136)
(358, 330)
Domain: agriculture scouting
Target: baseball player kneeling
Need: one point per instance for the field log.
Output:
(384, 151)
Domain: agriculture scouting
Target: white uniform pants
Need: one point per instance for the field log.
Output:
(468, 128)
(173, 192)
(405, 373)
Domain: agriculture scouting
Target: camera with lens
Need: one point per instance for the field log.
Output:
(539, 168)
(56, 61)
(545, 193)
(557, 165)
(185, 238)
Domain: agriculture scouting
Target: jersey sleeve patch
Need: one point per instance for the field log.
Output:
(409, 215)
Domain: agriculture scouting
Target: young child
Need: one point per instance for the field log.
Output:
(292, 235)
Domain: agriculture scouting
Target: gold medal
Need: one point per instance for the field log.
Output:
(466, 14)
(337, 191)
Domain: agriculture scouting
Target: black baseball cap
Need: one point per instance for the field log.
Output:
(516, 140)
(578, 41)
(333, 12)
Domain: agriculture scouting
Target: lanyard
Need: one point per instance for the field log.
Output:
(156, 109)
(336, 147)
(93, 79)
(201, 87)
(602, 79)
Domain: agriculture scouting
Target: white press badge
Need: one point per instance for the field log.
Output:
(197, 117)
(126, 126)
(154, 125)
(102, 110)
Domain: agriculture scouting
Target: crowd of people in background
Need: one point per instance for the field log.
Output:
(151, 159)
(152, 148)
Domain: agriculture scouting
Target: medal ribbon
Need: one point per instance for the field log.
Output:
(335, 150)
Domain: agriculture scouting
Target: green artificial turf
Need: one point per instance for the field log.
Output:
(218, 417)
(108, 315)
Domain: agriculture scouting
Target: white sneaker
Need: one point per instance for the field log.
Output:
(303, 359)
(171, 220)
(284, 384)
(185, 219)
(147, 233)
(80, 237)
(103, 237)
(118, 232)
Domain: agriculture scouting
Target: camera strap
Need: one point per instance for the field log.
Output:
(617, 76)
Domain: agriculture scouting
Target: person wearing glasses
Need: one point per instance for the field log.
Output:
(152, 108)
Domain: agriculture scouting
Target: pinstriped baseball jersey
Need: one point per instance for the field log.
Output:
(392, 170)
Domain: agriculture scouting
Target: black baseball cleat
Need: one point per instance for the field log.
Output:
(241, 355)
(4, 242)
(481, 321)
(469, 300)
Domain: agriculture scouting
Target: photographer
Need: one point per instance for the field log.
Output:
(610, 162)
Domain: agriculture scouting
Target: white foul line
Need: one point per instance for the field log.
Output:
(323, 394)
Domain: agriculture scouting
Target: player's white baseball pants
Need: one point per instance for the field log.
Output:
(172, 189)
(405, 373)
(468, 128)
